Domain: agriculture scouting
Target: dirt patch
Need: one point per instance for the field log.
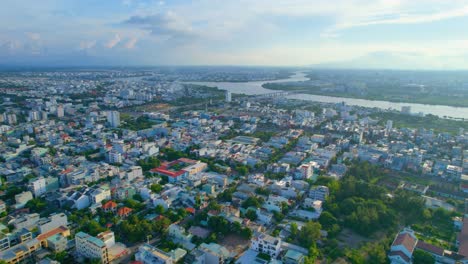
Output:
(350, 239)
(235, 243)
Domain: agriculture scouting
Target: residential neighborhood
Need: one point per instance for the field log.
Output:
(158, 171)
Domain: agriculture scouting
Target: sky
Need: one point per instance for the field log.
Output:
(413, 34)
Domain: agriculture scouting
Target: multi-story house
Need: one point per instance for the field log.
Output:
(267, 244)
(91, 247)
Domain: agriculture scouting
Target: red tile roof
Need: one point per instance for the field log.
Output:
(109, 205)
(163, 170)
(430, 248)
(405, 240)
(67, 171)
(52, 232)
(124, 211)
(190, 210)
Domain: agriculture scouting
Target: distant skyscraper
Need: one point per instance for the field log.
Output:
(406, 109)
(43, 115)
(11, 119)
(228, 97)
(113, 118)
(389, 125)
(34, 115)
(60, 111)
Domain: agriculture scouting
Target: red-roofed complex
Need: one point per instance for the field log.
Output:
(64, 231)
(401, 251)
(179, 169)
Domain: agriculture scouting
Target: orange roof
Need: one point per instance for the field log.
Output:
(109, 205)
(67, 171)
(52, 232)
(190, 210)
(124, 211)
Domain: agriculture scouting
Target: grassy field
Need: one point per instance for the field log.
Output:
(428, 122)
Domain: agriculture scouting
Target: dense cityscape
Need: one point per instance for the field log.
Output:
(233, 132)
(139, 166)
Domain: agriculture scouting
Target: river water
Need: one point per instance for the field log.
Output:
(255, 87)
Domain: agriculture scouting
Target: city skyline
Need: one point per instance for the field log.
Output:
(351, 34)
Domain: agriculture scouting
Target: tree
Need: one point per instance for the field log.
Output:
(36, 205)
(251, 214)
(422, 257)
(313, 254)
(327, 220)
(294, 229)
(262, 191)
(159, 209)
(310, 233)
(156, 188)
(252, 201)
(376, 253)
(137, 197)
(242, 170)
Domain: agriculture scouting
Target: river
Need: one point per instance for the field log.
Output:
(255, 87)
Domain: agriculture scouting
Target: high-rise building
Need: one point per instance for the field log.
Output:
(11, 119)
(37, 186)
(43, 115)
(228, 96)
(33, 115)
(60, 111)
(389, 125)
(114, 157)
(113, 118)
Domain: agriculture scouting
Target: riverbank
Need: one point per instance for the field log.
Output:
(427, 100)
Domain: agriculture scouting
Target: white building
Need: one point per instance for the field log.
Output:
(33, 115)
(11, 119)
(52, 222)
(100, 194)
(38, 186)
(389, 125)
(305, 171)
(134, 172)
(113, 118)
(91, 247)
(228, 96)
(401, 251)
(266, 244)
(148, 254)
(319, 193)
(60, 111)
(114, 157)
(22, 198)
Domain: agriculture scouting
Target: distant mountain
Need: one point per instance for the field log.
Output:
(400, 60)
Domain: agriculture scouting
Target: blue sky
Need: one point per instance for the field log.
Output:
(426, 34)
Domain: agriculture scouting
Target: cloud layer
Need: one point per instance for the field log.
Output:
(244, 32)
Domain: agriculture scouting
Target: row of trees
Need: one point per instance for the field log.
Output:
(359, 202)
(135, 229)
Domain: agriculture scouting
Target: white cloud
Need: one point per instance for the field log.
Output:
(87, 44)
(114, 41)
(403, 16)
(131, 43)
